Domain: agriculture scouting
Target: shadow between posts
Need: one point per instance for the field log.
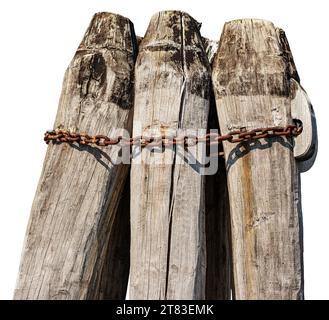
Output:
(113, 278)
(219, 277)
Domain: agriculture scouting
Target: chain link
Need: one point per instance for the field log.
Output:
(241, 135)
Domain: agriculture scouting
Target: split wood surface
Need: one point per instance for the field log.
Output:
(73, 225)
(172, 81)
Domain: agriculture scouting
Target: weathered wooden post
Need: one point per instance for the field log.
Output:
(256, 85)
(172, 78)
(70, 231)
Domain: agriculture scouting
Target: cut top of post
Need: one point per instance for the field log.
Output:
(111, 31)
(254, 58)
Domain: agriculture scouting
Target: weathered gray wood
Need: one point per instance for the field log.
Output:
(301, 108)
(74, 209)
(251, 77)
(168, 258)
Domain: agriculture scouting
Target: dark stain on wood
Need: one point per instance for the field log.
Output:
(200, 85)
(174, 23)
(238, 54)
(98, 68)
(92, 67)
(190, 57)
(291, 69)
(122, 93)
(190, 30)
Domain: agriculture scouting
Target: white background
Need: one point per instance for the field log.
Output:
(38, 40)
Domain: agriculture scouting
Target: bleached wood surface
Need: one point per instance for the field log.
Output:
(251, 77)
(172, 74)
(71, 223)
(301, 108)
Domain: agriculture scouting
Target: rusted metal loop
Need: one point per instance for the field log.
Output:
(247, 135)
(101, 136)
(72, 139)
(237, 140)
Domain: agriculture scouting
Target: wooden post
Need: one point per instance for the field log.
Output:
(254, 81)
(71, 222)
(172, 81)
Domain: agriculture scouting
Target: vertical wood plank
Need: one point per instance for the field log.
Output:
(75, 204)
(251, 77)
(168, 257)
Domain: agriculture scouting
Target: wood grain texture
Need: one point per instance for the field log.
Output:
(251, 77)
(168, 258)
(302, 109)
(73, 212)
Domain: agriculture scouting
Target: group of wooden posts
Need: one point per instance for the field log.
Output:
(173, 232)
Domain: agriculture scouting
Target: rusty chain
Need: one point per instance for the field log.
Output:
(241, 135)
